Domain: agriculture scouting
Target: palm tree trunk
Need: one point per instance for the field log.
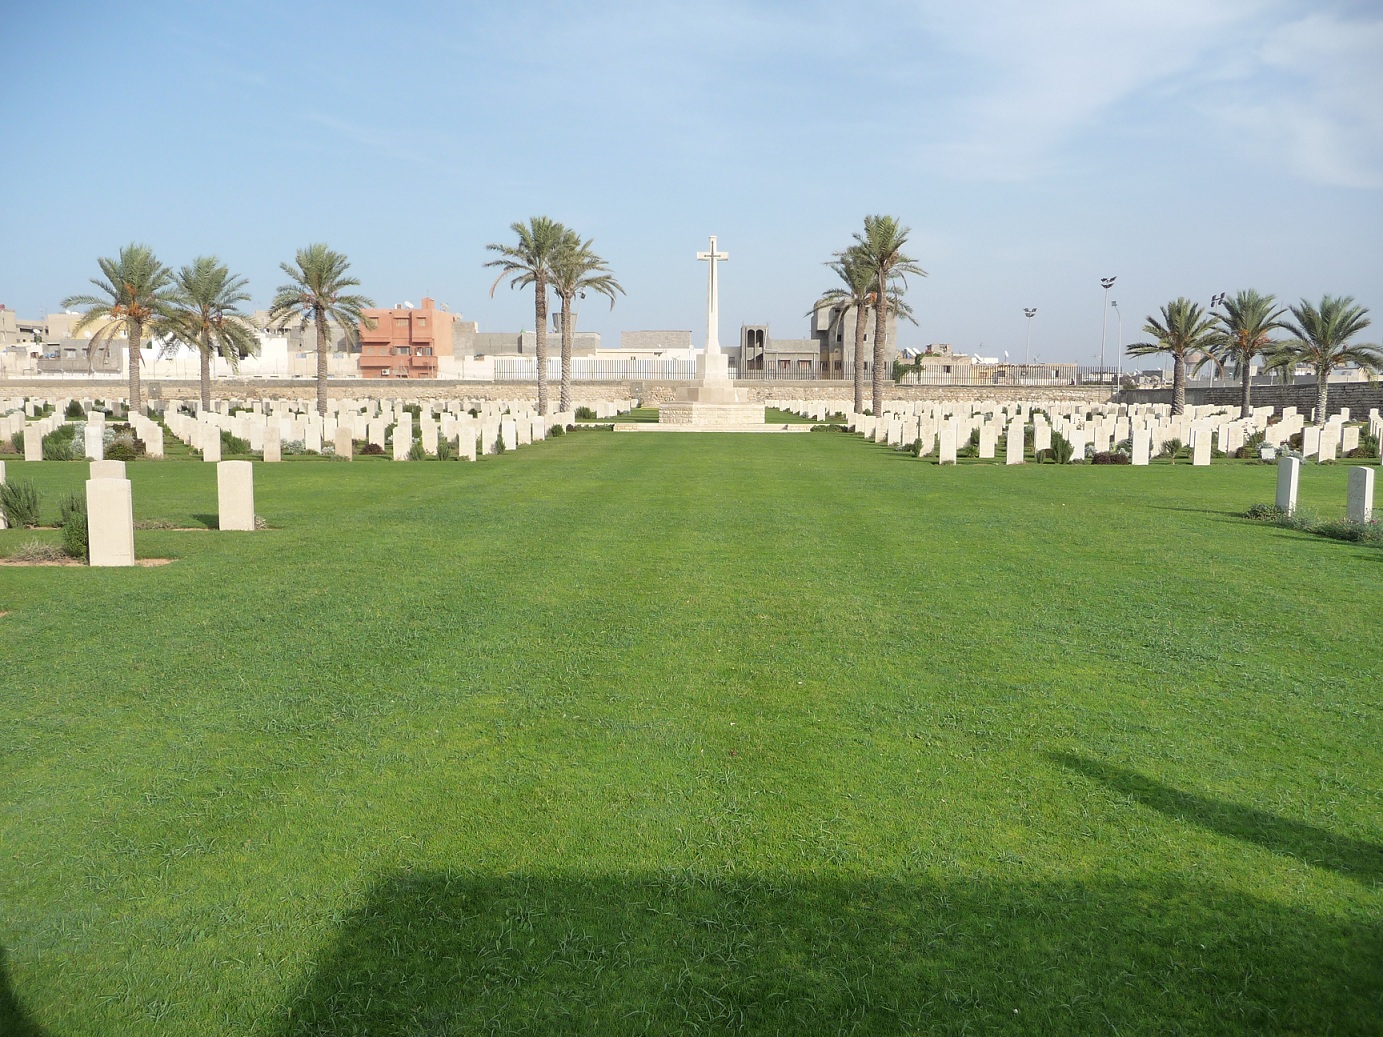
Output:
(1178, 384)
(321, 319)
(564, 402)
(540, 319)
(880, 340)
(206, 372)
(1245, 397)
(136, 340)
(861, 315)
(1322, 396)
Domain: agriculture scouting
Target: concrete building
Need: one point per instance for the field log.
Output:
(790, 357)
(405, 342)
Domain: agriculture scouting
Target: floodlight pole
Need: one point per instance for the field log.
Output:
(1119, 349)
(1106, 283)
(1030, 312)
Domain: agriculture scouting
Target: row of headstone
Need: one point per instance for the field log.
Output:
(1358, 493)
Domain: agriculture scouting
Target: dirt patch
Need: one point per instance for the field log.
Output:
(144, 563)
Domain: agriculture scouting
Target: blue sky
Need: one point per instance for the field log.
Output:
(1186, 146)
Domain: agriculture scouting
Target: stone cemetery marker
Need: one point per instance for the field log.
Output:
(946, 453)
(273, 443)
(211, 444)
(376, 432)
(107, 470)
(509, 433)
(403, 441)
(988, 440)
(1360, 506)
(1041, 437)
(1349, 439)
(1310, 441)
(1288, 474)
(1142, 446)
(235, 495)
(33, 444)
(429, 430)
(465, 442)
(1200, 450)
(312, 436)
(110, 522)
(344, 446)
(1013, 448)
(523, 431)
(95, 441)
(1330, 442)
(153, 440)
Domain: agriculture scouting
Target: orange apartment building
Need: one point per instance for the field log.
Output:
(405, 342)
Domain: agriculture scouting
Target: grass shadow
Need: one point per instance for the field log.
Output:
(1352, 857)
(14, 1020)
(682, 952)
(210, 521)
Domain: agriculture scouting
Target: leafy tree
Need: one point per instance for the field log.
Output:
(1246, 329)
(135, 292)
(1187, 332)
(204, 315)
(880, 248)
(530, 263)
(576, 270)
(1321, 340)
(316, 294)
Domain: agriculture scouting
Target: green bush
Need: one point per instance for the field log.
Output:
(19, 502)
(915, 449)
(1368, 445)
(74, 531)
(972, 445)
(474, 412)
(61, 444)
(121, 448)
(416, 451)
(74, 411)
(556, 430)
(1171, 450)
(828, 428)
(585, 414)
(1060, 452)
(17, 442)
(446, 450)
(232, 444)
(499, 445)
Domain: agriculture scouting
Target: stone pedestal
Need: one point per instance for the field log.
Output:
(711, 404)
(110, 522)
(235, 495)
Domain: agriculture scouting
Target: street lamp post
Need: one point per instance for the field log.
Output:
(1106, 283)
(1030, 312)
(1215, 300)
(1119, 346)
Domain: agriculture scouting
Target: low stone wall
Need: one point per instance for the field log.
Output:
(650, 391)
(1359, 397)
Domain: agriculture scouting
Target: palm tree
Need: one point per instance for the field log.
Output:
(1245, 326)
(576, 270)
(317, 294)
(857, 276)
(1320, 339)
(134, 299)
(1185, 331)
(880, 248)
(205, 316)
(530, 262)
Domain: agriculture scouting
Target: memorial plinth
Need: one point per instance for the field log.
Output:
(712, 401)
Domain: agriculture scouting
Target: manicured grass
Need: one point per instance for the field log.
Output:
(696, 734)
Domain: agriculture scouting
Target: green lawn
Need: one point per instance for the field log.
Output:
(626, 734)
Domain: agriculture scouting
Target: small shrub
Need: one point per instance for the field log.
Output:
(828, 428)
(474, 412)
(121, 448)
(37, 551)
(585, 414)
(1171, 449)
(499, 445)
(1060, 452)
(868, 412)
(415, 409)
(915, 449)
(446, 450)
(1111, 457)
(372, 449)
(1368, 445)
(590, 428)
(972, 445)
(61, 444)
(19, 501)
(16, 443)
(416, 451)
(1354, 532)
(232, 444)
(294, 448)
(1265, 513)
(74, 411)
(74, 532)
(556, 430)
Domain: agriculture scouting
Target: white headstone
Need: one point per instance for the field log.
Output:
(1288, 475)
(1142, 446)
(235, 495)
(344, 446)
(1013, 446)
(1200, 449)
(1360, 506)
(94, 441)
(33, 444)
(107, 470)
(110, 522)
(273, 443)
(946, 452)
